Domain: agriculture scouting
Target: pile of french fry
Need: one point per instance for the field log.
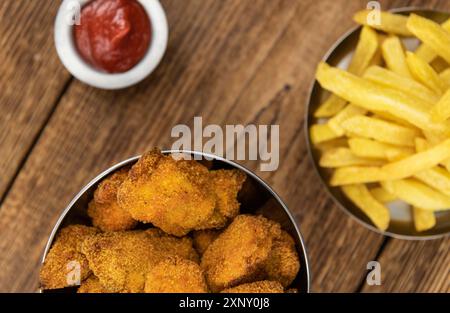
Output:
(385, 128)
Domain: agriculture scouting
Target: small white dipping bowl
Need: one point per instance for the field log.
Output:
(72, 60)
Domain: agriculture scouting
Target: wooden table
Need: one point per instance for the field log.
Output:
(229, 61)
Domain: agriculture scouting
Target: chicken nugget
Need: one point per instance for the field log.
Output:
(104, 210)
(176, 196)
(226, 184)
(239, 254)
(121, 259)
(175, 275)
(264, 286)
(282, 264)
(171, 245)
(64, 260)
(203, 238)
(91, 285)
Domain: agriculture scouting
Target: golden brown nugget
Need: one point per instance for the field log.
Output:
(91, 285)
(104, 210)
(121, 259)
(203, 238)
(176, 196)
(264, 286)
(282, 264)
(171, 245)
(175, 275)
(65, 256)
(239, 254)
(226, 184)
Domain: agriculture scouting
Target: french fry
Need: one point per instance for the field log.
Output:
(425, 52)
(321, 132)
(382, 195)
(391, 118)
(330, 107)
(416, 163)
(433, 140)
(365, 51)
(374, 97)
(431, 34)
(357, 175)
(362, 198)
(340, 142)
(394, 56)
(421, 144)
(341, 157)
(436, 177)
(367, 148)
(349, 111)
(389, 22)
(441, 110)
(423, 219)
(380, 130)
(445, 76)
(385, 129)
(417, 194)
(424, 73)
(409, 86)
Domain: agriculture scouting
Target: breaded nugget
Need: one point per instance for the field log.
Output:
(226, 184)
(104, 210)
(175, 275)
(282, 264)
(264, 286)
(65, 250)
(121, 259)
(203, 238)
(176, 196)
(168, 244)
(239, 254)
(91, 285)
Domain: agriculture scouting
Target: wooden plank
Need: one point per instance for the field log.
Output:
(229, 62)
(30, 82)
(414, 266)
(339, 248)
(214, 49)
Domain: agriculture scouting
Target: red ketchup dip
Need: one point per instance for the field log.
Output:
(114, 35)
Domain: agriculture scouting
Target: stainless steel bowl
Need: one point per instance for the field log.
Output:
(256, 197)
(338, 55)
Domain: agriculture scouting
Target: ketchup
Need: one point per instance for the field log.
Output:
(114, 35)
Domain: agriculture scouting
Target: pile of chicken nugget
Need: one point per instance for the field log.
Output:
(171, 226)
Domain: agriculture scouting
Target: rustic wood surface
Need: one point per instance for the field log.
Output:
(231, 62)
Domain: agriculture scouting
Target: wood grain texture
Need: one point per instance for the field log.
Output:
(414, 266)
(91, 129)
(230, 62)
(31, 79)
(276, 95)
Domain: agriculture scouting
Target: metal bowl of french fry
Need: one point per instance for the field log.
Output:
(378, 122)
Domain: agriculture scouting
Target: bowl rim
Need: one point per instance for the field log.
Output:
(75, 64)
(308, 112)
(208, 156)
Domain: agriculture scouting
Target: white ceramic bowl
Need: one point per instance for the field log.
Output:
(75, 64)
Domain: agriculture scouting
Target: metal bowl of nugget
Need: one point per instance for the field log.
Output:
(377, 128)
(158, 223)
